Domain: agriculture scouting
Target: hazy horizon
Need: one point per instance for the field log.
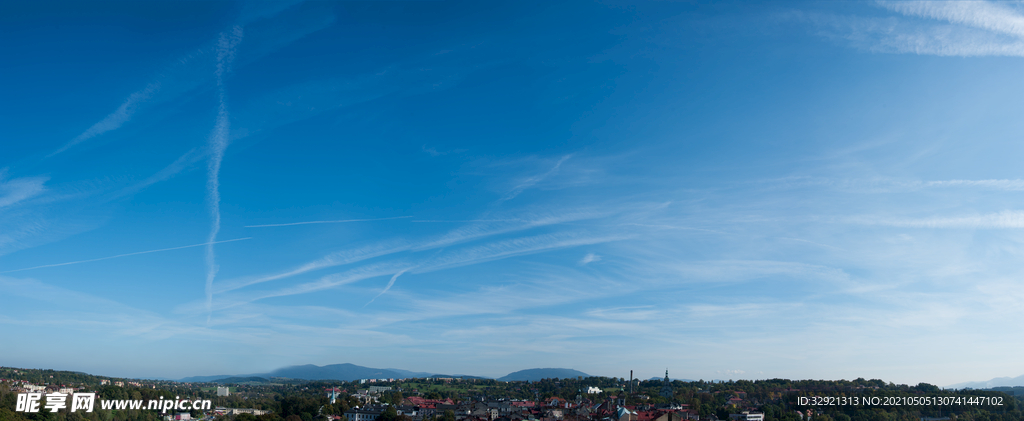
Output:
(974, 384)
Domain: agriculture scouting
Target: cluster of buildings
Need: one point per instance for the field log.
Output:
(218, 411)
(236, 411)
(614, 408)
(24, 386)
(553, 409)
(104, 382)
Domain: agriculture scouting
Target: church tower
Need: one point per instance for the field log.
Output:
(666, 389)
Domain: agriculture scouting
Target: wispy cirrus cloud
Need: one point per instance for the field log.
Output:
(886, 185)
(521, 221)
(338, 258)
(432, 151)
(465, 256)
(181, 163)
(335, 280)
(340, 221)
(745, 270)
(530, 290)
(34, 211)
(79, 315)
(186, 73)
(996, 17)
(1006, 185)
(450, 254)
(528, 182)
(515, 247)
(172, 81)
(16, 190)
(1003, 219)
(90, 312)
(943, 28)
(115, 119)
(123, 255)
(388, 287)
(455, 257)
(239, 298)
(627, 313)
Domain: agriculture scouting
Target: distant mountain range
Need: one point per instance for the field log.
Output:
(240, 380)
(335, 372)
(345, 372)
(535, 374)
(996, 382)
(350, 372)
(207, 379)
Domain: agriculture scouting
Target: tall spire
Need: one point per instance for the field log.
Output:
(666, 389)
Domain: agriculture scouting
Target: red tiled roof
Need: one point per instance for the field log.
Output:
(418, 401)
(522, 404)
(648, 415)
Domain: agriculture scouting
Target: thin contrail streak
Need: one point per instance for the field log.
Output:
(116, 119)
(219, 140)
(390, 283)
(325, 222)
(123, 255)
(468, 220)
(530, 182)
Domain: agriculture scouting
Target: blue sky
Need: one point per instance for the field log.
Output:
(816, 190)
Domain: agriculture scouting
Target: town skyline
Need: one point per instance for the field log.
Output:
(346, 372)
(576, 398)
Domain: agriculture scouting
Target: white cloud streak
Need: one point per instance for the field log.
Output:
(529, 291)
(745, 270)
(531, 181)
(888, 185)
(325, 282)
(441, 260)
(325, 222)
(502, 226)
(468, 256)
(460, 257)
(979, 14)
(115, 119)
(218, 143)
(331, 260)
(1008, 185)
(514, 247)
(466, 220)
(1004, 219)
(589, 258)
(125, 255)
(180, 76)
(387, 288)
(948, 28)
(19, 189)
